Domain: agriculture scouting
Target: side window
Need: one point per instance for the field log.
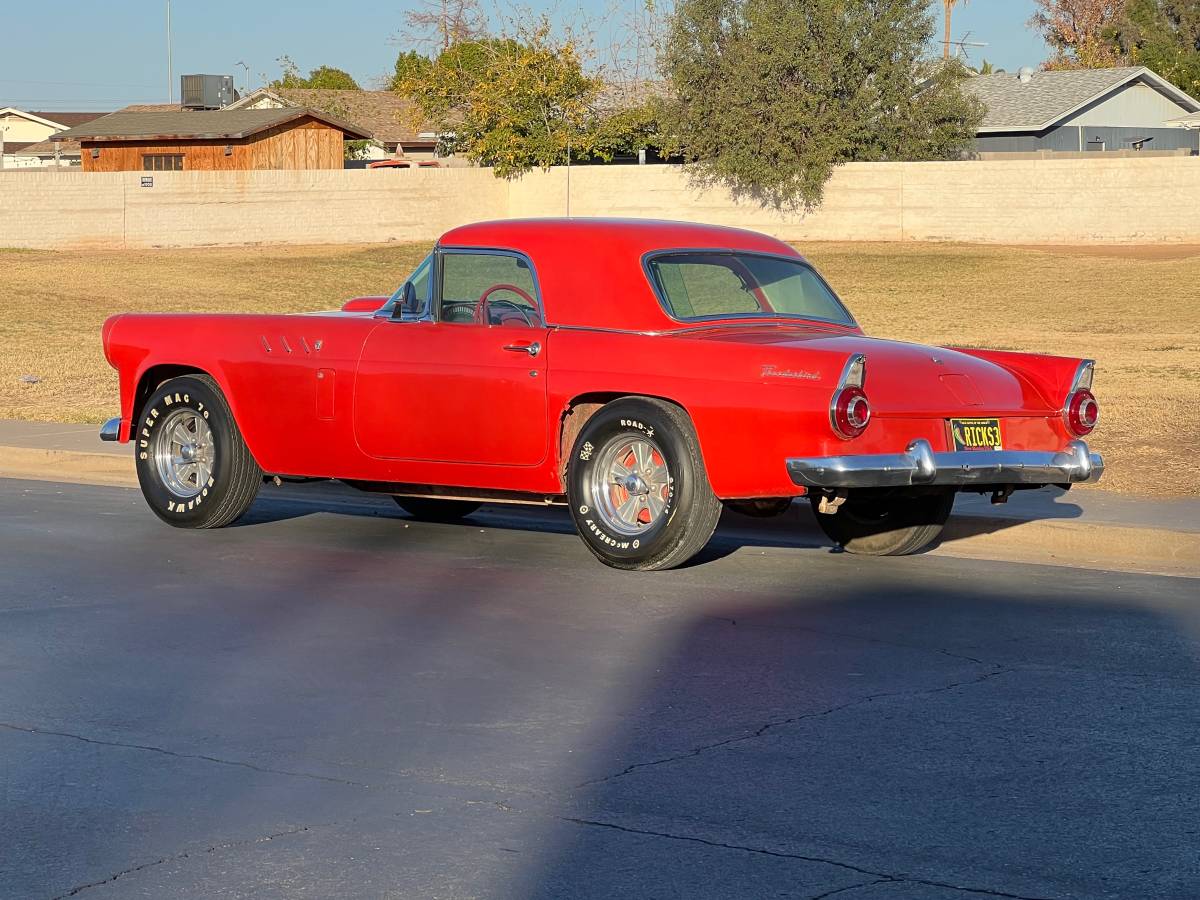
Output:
(488, 288)
(704, 288)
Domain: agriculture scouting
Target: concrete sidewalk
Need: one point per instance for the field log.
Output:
(1086, 526)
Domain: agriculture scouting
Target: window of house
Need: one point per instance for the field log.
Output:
(162, 162)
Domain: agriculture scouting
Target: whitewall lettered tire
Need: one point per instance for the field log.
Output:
(193, 466)
(637, 487)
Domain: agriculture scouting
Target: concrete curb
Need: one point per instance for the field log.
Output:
(1074, 543)
(68, 465)
(1078, 544)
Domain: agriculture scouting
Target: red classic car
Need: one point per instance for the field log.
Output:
(644, 373)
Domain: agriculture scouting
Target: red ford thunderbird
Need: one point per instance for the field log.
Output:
(644, 373)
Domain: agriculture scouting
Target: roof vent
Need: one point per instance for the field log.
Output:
(1025, 75)
(206, 91)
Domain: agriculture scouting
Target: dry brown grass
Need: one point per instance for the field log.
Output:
(1137, 313)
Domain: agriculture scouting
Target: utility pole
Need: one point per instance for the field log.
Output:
(170, 62)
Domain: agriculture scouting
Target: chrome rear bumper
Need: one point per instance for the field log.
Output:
(111, 430)
(919, 465)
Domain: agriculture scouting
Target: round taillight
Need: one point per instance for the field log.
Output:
(1082, 412)
(850, 412)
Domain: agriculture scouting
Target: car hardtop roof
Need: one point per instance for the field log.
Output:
(637, 235)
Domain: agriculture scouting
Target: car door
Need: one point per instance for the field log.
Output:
(466, 381)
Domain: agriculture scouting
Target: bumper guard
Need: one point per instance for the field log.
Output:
(919, 465)
(111, 430)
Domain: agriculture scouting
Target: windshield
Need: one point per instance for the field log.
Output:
(420, 282)
(711, 283)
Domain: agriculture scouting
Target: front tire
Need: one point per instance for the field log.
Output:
(192, 464)
(637, 487)
(895, 525)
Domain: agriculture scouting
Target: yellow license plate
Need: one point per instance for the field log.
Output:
(976, 434)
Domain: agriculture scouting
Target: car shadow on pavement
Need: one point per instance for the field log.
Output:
(797, 528)
(897, 741)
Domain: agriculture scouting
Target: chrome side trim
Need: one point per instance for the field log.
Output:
(111, 430)
(919, 465)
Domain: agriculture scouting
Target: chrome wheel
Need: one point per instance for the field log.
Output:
(630, 486)
(183, 453)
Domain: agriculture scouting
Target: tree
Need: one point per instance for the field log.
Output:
(769, 96)
(444, 23)
(513, 104)
(323, 77)
(627, 131)
(1081, 32)
(1165, 36)
(410, 66)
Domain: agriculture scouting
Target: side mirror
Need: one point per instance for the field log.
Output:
(410, 303)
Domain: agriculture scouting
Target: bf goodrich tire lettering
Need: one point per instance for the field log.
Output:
(637, 487)
(194, 469)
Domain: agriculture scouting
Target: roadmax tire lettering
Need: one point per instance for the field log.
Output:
(634, 423)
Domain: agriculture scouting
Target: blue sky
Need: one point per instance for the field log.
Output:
(77, 56)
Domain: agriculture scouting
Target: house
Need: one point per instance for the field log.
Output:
(290, 138)
(1082, 110)
(24, 135)
(387, 115)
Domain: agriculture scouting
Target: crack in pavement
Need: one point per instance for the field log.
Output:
(791, 720)
(197, 756)
(881, 877)
(185, 855)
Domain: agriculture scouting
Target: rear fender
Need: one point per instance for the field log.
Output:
(1052, 377)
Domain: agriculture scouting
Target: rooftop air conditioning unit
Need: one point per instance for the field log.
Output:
(206, 91)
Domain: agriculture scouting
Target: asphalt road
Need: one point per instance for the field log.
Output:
(331, 701)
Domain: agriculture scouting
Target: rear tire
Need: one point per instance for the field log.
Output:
(637, 487)
(886, 526)
(432, 509)
(192, 464)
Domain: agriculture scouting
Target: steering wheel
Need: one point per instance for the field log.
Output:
(481, 306)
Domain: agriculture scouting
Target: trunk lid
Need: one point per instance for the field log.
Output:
(903, 379)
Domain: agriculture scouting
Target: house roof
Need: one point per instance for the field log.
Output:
(46, 148)
(1191, 121)
(220, 124)
(1013, 105)
(67, 119)
(151, 107)
(387, 115)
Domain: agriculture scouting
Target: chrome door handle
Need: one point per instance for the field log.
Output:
(532, 349)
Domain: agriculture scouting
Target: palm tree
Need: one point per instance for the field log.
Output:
(949, 4)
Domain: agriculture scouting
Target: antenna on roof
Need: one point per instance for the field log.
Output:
(962, 44)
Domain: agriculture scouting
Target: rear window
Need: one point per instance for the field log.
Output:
(714, 284)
